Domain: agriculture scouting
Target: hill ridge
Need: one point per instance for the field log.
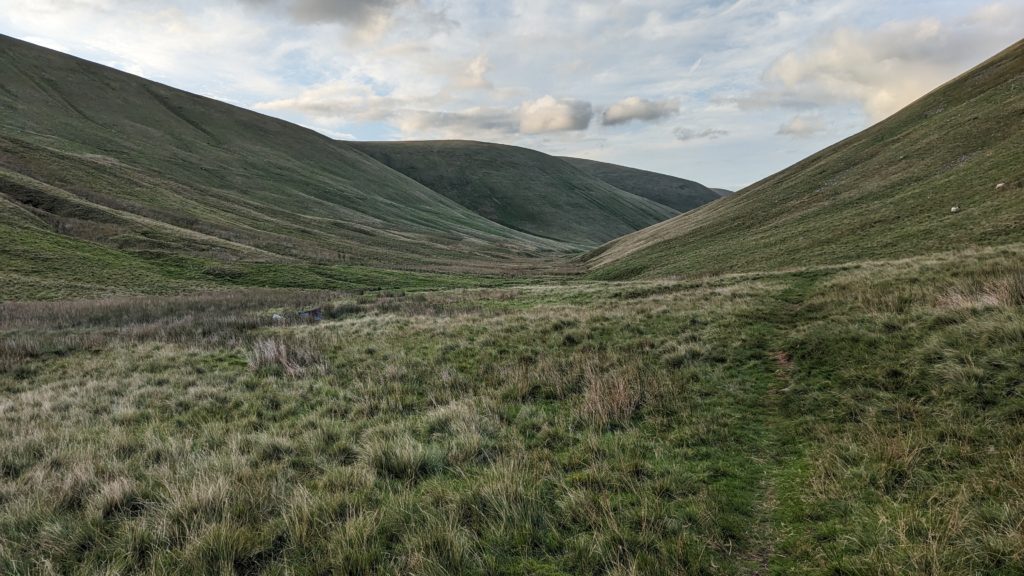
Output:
(679, 194)
(521, 188)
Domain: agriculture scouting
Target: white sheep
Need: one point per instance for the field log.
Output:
(1000, 186)
(954, 209)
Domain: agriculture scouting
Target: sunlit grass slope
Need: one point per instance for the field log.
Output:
(883, 193)
(522, 189)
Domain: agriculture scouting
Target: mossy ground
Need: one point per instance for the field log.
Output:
(864, 418)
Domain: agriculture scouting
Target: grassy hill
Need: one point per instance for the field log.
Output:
(885, 192)
(682, 195)
(109, 179)
(523, 189)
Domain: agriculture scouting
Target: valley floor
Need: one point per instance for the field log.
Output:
(860, 419)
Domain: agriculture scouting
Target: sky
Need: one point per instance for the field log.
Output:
(725, 92)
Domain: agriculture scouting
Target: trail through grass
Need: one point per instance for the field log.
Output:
(863, 418)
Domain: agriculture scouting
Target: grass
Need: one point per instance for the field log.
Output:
(883, 193)
(677, 193)
(41, 264)
(523, 189)
(862, 418)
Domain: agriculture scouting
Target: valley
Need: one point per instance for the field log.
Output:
(523, 363)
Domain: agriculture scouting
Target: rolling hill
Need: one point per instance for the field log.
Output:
(523, 189)
(682, 195)
(111, 180)
(887, 192)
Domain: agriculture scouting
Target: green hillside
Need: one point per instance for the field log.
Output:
(107, 174)
(522, 189)
(886, 192)
(682, 195)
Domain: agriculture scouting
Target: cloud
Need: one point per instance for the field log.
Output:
(802, 126)
(885, 69)
(541, 116)
(641, 109)
(340, 100)
(687, 134)
(359, 12)
(352, 102)
(548, 114)
(370, 19)
(475, 74)
(779, 98)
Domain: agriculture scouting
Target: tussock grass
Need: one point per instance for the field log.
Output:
(293, 357)
(611, 397)
(399, 455)
(848, 419)
(31, 330)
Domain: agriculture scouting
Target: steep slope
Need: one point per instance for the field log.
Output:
(682, 195)
(97, 156)
(886, 192)
(522, 189)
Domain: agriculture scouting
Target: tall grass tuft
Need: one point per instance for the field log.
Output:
(293, 358)
(611, 397)
(396, 454)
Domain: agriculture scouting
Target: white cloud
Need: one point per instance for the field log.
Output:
(349, 102)
(802, 126)
(545, 115)
(886, 68)
(474, 76)
(341, 100)
(640, 109)
(548, 114)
